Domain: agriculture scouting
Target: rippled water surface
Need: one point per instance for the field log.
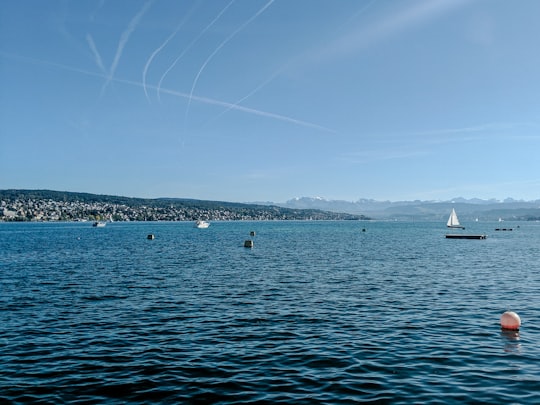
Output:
(315, 312)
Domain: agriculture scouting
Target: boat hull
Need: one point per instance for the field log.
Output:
(459, 236)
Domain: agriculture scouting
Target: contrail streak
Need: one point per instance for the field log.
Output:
(252, 92)
(361, 11)
(219, 48)
(250, 110)
(99, 7)
(278, 72)
(203, 100)
(124, 39)
(94, 50)
(149, 61)
(190, 45)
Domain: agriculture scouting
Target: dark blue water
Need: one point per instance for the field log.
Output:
(316, 312)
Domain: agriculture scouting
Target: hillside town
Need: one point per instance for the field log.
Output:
(27, 208)
(50, 210)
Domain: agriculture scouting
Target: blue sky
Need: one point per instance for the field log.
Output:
(260, 100)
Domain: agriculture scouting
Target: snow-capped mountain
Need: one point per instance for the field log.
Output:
(437, 210)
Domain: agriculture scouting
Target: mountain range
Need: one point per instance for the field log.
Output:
(468, 209)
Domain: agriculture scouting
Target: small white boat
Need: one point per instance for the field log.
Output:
(201, 224)
(453, 221)
(99, 224)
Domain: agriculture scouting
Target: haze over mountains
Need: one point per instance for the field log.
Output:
(468, 209)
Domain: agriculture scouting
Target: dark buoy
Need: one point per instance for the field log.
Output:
(248, 243)
(150, 236)
(252, 233)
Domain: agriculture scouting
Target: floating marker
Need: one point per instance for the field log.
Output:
(510, 321)
(252, 233)
(150, 237)
(248, 243)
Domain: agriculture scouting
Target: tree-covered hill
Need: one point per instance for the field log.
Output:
(49, 205)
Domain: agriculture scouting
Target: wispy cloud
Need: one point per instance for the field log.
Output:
(486, 188)
(163, 45)
(221, 45)
(408, 16)
(491, 131)
(492, 126)
(190, 45)
(376, 155)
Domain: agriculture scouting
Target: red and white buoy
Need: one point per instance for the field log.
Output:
(510, 321)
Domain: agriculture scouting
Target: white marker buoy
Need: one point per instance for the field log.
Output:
(510, 321)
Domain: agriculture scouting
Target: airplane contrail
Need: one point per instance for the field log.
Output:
(362, 9)
(253, 111)
(277, 72)
(252, 92)
(151, 58)
(190, 45)
(99, 7)
(124, 39)
(218, 49)
(203, 100)
(94, 50)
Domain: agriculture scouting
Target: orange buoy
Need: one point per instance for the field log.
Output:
(510, 321)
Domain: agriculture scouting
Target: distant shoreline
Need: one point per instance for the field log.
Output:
(57, 206)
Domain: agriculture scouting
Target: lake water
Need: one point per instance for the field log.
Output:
(315, 312)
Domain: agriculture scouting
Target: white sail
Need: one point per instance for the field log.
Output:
(453, 221)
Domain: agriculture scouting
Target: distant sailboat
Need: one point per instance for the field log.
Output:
(453, 221)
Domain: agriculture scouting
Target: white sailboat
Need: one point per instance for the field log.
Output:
(453, 221)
